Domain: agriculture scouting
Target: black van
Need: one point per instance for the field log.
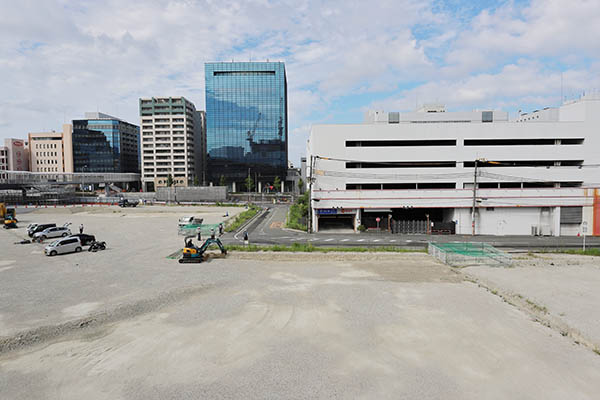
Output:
(39, 228)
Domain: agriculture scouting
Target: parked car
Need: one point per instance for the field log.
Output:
(84, 238)
(38, 228)
(127, 203)
(183, 221)
(65, 245)
(56, 231)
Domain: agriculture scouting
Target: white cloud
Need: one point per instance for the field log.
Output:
(60, 58)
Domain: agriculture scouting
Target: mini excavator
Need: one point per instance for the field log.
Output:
(194, 254)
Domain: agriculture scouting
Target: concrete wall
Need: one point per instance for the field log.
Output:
(192, 194)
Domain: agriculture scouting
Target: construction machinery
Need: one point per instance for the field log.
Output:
(194, 254)
(10, 222)
(7, 212)
(7, 215)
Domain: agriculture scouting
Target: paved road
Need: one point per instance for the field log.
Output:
(268, 229)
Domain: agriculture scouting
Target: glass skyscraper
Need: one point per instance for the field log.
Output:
(102, 143)
(246, 122)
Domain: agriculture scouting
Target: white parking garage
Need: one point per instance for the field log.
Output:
(426, 171)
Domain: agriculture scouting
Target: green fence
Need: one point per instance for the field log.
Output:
(469, 253)
(192, 229)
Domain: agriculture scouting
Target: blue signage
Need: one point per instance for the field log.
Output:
(324, 211)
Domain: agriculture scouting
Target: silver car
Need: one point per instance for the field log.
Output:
(56, 231)
(65, 245)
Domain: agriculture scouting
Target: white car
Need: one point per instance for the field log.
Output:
(64, 245)
(183, 221)
(57, 231)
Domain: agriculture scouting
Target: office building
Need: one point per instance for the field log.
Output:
(432, 171)
(102, 143)
(247, 132)
(51, 151)
(17, 154)
(173, 142)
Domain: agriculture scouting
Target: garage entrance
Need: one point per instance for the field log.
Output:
(337, 223)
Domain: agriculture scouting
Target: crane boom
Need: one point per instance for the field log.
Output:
(253, 131)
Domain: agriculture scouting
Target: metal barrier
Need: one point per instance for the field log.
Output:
(468, 253)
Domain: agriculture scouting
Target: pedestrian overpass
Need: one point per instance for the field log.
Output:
(25, 179)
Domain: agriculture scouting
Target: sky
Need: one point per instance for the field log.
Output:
(61, 58)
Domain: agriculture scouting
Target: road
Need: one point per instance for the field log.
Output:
(269, 229)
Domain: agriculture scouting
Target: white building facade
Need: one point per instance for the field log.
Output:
(415, 172)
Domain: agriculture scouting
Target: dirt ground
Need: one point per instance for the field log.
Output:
(560, 289)
(130, 323)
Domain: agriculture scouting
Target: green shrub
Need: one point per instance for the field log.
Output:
(242, 218)
(298, 213)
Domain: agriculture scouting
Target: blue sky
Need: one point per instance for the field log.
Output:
(61, 58)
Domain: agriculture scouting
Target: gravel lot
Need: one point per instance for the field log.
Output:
(128, 323)
(564, 287)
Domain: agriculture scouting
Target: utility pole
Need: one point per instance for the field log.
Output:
(474, 199)
(310, 179)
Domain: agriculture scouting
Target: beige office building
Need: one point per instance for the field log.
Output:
(51, 151)
(173, 142)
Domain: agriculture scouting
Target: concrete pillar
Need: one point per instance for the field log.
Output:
(107, 189)
(259, 187)
(556, 221)
(233, 187)
(282, 186)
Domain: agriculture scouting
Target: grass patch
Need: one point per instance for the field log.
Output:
(309, 248)
(298, 214)
(587, 252)
(537, 307)
(242, 218)
(596, 350)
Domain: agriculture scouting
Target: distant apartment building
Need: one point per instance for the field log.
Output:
(247, 134)
(3, 158)
(103, 143)
(173, 142)
(17, 154)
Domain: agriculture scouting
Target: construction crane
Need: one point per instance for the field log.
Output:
(251, 133)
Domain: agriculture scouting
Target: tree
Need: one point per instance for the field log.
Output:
(277, 184)
(249, 183)
(222, 181)
(169, 180)
(196, 182)
(300, 185)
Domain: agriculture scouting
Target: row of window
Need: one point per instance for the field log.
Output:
(45, 161)
(46, 153)
(467, 164)
(46, 145)
(452, 185)
(467, 142)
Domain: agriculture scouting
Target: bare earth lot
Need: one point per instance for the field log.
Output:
(128, 323)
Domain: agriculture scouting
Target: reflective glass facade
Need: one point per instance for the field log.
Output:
(246, 121)
(105, 145)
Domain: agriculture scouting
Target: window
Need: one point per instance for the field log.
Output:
(487, 116)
